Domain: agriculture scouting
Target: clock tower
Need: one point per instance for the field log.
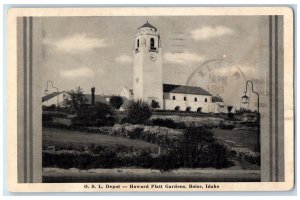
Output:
(147, 65)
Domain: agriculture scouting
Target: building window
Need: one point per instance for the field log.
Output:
(138, 43)
(174, 98)
(177, 108)
(188, 109)
(195, 98)
(152, 42)
(184, 98)
(205, 99)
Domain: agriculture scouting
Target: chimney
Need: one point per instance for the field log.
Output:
(93, 95)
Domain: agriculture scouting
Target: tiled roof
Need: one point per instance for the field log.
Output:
(216, 99)
(185, 89)
(148, 26)
(50, 96)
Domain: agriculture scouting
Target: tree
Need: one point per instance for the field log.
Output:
(138, 112)
(116, 101)
(99, 115)
(230, 114)
(104, 114)
(155, 104)
(198, 148)
(192, 144)
(77, 100)
(166, 162)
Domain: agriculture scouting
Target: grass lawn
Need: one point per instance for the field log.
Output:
(64, 138)
(61, 137)
(237, 138)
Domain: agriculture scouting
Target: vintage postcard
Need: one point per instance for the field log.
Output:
(150, 99)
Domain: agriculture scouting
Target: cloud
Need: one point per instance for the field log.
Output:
(76, 43)
(183, 58)
(123, 59)
(207, 32)
(83, 72)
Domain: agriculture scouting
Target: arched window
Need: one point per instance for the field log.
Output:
(152, 42)
(199, 110)
(138, 43)
(177, 108)
(188, 109)
(205, 99)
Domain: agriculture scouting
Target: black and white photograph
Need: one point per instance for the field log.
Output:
(153, 100)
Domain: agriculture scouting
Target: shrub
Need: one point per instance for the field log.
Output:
(166, 162)
(153, 134)
(64, 161)
(182, 122)
(230, 115)
(248, 156)
(163, 122)
(83, 161)
(168, 123)
(155, 104)
(49, 108)
(138, 112)
(216, 156)
(249, 124)
(116, 101)
(144, 159)
(196, 134)
(199, 149)
(104, 114)
(47, 117)
(99, 115)
(103, 159)
(84, 118)
(50, 124)
(226, 125)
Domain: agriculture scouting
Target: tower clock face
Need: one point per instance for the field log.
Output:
(152, 57)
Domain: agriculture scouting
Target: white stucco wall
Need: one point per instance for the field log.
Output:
(138, 59)
(206, 107)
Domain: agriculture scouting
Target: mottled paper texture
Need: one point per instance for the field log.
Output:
(228, 69)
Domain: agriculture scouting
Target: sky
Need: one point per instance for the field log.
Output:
(204, 51)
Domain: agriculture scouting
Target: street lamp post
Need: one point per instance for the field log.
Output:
(52, 87)
(245, 100)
